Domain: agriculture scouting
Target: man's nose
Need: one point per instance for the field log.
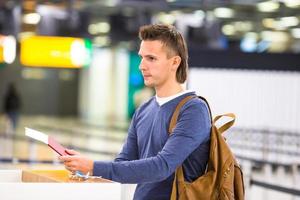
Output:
(142, 65)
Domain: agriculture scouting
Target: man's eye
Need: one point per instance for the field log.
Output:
(151, 58)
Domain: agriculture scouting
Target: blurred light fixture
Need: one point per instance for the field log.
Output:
(280, 24)
(224, 12)
(228, 29)
(249, 42)
(31, 18)
(176, 12)
(25, 34)
(92, 29)
(101, 41)
(199, 14)
(253, 35)
(7, 49)
(268, 22)
(243, 26)
(276, 41)
(295, 33)
(290, 21)
(291, 3)
(63, 52)
(273, 24)
(268, 6)
(111, 3)
(194, 19)
(30, 73)
(275, 36)
(166, 18)
(198, 18)
(102, 27)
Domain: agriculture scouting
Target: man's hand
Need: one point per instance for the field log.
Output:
(76, 162)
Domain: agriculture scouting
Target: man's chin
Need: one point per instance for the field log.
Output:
(148, 84)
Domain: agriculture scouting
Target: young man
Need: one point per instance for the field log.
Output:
(150, 156)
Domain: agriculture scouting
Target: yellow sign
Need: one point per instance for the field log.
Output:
(1, 54)
(62, 52)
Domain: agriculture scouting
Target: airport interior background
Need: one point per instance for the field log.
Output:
(75, 69)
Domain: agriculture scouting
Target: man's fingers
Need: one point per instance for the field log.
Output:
(70, 163)
(71, 167)
(72, 152)
(66, 158)
(76, 162)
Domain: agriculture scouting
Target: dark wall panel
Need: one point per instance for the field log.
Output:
(240, 60)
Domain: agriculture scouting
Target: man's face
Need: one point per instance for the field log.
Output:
(156, 67)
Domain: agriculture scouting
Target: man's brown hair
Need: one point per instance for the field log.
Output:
(173, 40)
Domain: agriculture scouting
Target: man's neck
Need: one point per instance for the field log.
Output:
(169, 91)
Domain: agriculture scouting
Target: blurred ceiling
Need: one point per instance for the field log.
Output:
(253, 25)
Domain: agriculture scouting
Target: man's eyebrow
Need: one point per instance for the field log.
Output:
(147, 55)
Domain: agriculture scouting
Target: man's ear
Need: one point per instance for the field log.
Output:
(176, 60)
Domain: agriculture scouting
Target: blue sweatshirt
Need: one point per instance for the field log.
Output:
(150, 156)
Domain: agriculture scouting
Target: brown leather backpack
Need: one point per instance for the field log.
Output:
(223, 179)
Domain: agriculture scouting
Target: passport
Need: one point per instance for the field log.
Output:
(53, 144)
(49, 140)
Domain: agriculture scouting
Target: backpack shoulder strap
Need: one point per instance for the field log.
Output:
(228, 124)
(176, 112)
(225, 126)
(178, 107)
(209, 110)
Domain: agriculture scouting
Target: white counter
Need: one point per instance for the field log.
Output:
(12, 188)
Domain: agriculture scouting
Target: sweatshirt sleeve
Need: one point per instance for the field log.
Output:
(130, 149)
(192, 129)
